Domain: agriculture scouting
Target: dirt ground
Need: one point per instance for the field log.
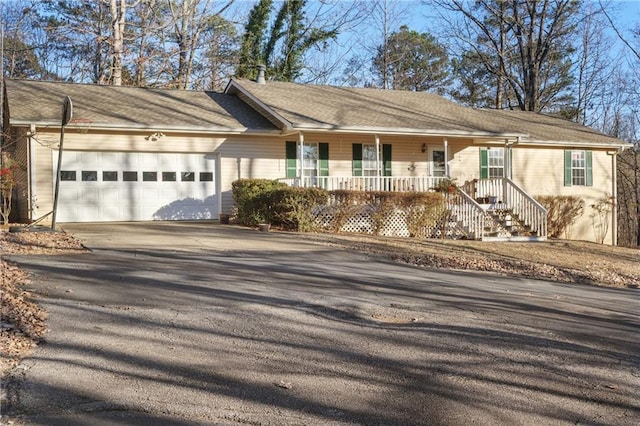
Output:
(23, 322)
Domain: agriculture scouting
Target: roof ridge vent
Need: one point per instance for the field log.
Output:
(261, 71)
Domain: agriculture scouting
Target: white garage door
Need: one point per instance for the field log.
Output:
(134, 186)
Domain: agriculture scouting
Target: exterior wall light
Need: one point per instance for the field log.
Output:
(154, 136)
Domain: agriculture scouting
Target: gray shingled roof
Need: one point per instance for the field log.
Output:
(128, 107)
(544, 127)
(343, 107)
(329, 107)
(300, 106)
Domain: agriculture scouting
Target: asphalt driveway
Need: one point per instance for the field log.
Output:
(191, 323)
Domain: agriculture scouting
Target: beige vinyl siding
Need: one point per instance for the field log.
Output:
(465, 164)
(241, 156)
(406, 152)
(540, 171)
(42, 174)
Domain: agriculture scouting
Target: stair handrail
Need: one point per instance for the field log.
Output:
(472, 214)
(537, 218)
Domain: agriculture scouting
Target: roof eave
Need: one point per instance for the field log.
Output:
(145, 127)
(575, 144)
(402, 131)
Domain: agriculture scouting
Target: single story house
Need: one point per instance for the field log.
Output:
(137, 154)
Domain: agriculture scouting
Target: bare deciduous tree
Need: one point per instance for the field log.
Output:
(525, 45)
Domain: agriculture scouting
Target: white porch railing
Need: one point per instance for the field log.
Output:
(468, 213)
(507, 193)
(464, 203)
(367, 183)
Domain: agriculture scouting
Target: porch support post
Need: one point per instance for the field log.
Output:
(446, 157)
(300, 158)
(507, 158)
(377, 162)
(31, 172)
(614, 198)
(507, 171)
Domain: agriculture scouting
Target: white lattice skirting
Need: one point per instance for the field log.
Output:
(416, 221)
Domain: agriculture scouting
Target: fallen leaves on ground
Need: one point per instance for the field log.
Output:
(555, 260)
(38, 243)
(22, 323)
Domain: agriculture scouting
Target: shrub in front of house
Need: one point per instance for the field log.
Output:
(424, 211)
(562, 213)
(417, 212)
(293, 208)
(268, 201)
(310, 209)
(251, 200)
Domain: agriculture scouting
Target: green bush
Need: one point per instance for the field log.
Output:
(422, 209)
(251, 200)
(292, 208)
(267, 201)
(562, 213)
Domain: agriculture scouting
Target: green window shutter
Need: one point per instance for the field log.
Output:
(484, 163)
(589, 171)
(567, 168)
(386, 159)
(357, 159)
(323, 164)
(292, 159)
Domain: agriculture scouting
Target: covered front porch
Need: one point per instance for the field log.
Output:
(474, 174)
(493, 209)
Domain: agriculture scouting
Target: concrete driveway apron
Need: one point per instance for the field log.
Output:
(195, 323)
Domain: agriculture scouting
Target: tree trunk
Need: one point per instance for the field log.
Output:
(118, 12)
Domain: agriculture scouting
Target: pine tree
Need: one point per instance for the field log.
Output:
(414, 61)
(281, 47)
(252, 48)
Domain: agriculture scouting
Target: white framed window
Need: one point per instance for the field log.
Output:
(310, 157)
(495, 162)
(369, 160)
(578, 168)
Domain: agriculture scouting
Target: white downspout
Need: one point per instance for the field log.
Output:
(378, 168)
(218, 183)
(300, 158)
(446, 157)
(507, 159)
(31, 171)
(614, 199)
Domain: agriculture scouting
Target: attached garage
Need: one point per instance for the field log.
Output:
(130, 154)
(136, 186)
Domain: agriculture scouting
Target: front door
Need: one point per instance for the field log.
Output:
(437, 165)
